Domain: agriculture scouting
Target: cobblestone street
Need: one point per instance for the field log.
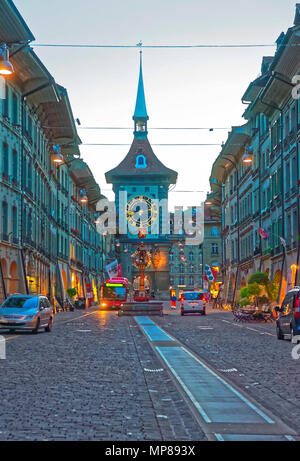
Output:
(95, 377)
(248, 354)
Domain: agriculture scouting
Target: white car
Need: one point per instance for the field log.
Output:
(26, 312)
(192, 302)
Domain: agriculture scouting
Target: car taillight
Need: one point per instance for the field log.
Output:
(297, 306)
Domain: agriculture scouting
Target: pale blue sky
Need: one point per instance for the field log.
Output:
(184, 87)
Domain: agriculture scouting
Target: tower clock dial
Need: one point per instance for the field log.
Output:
(141, 211)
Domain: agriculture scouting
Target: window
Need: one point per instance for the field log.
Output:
(4, 221)
(14, 109)
(191, 281)
(140, 161)
(15, 165)
(192, 268)
(14, 222)
(171, 257)
(214, 248)
(5, 159)
(5, 102)
(191, 256)
(214, 232)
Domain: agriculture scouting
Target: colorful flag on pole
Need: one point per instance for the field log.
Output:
(264, 235)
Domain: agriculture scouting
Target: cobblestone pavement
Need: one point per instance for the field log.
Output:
(94, 377)
(248, 354)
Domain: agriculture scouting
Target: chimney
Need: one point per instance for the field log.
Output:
(297, 15)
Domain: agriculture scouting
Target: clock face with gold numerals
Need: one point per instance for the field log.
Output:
(141, 211)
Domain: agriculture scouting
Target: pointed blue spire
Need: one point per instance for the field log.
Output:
(140, 105)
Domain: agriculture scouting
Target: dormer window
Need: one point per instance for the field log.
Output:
(140, 161)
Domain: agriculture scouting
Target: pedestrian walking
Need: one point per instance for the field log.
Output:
(173, 302)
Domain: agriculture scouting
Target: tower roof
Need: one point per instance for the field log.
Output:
(155, 168)
(140, 105)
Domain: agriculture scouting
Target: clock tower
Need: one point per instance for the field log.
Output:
(141, 183)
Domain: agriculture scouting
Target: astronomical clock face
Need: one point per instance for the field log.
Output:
(141, 211)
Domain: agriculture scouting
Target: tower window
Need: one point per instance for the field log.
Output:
(140, 161)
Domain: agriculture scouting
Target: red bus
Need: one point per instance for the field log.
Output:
(114, 292)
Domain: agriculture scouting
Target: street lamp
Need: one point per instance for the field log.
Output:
(83, 198)
(57, 156)
(248, 155)
(6, 67)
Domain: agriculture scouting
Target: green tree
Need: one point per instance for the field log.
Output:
(71, 292)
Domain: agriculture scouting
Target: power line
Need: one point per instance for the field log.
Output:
(164, 144)
(130, 128)
(237, 45)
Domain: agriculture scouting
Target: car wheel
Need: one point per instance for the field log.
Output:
(293, 338)
(37, 326)
(279, 333)
(203, 313)
(182, 313)
(48, 328)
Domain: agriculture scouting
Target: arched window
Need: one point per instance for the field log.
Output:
(5, 220)
(214, 232)
(171, 256)
(140, 161)
(191, 256)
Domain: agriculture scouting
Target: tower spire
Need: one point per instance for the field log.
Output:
(140, 116)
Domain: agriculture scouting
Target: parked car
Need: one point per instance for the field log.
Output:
(288, 321)
(192, 302)
(26, 312)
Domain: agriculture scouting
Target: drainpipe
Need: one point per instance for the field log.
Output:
(2, 281)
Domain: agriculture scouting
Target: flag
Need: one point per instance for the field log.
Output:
(283, 242)
(112, 269)
(264, 235)
(119, 270)
(210, 273)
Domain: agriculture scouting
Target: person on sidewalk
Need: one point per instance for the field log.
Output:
(173, 302)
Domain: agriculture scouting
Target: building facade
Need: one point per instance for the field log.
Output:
(187, 262)
(48, 236)
(259, 200)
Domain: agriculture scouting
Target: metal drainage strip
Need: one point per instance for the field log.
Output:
(144, 320)
(214, 398)
(154, 333)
